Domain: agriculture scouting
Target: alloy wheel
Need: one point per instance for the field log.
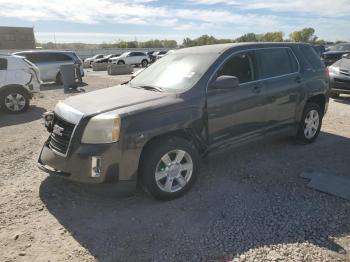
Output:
(312, 122)
(174, 171)
(15, 102)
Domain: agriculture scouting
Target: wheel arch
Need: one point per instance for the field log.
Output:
(320, 100)
(181, 133)
(6, 87)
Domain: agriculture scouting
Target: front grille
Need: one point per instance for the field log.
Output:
(344, 72)
(342, 81)
(59, 141)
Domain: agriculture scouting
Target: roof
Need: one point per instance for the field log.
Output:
(46, 51)
(221, 48)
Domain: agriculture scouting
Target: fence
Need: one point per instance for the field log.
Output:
(85, 53)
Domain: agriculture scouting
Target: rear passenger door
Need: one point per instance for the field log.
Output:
(279, 69)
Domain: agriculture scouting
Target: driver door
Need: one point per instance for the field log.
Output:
(237, 113)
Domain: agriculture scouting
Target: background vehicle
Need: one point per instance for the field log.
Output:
(339, 74)
(49, 63)
(196, 100)
(160, 54)
(19, 79)
(335, 53)
(320, 49)
(151, 56)
(92, 59)
(105, 59)
(132, 58)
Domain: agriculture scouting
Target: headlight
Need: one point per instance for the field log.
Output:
(334, 70)
(102, 129)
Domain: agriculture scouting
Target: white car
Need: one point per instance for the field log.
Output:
(132, 58)
(49, 63)
(19, 79)
(92, 59)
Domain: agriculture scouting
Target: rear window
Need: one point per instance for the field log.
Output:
(3, 64)
(45, 57)
(312, 59)
(277, 62)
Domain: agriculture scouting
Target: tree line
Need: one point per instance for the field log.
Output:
(306, 35)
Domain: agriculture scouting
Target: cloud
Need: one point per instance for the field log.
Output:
(336, 8)
(135, 12)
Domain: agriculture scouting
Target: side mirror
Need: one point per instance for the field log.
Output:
(347, 56)
(225, 82)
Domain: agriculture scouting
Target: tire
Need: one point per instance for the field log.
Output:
(167, 182)
(59, 80)
(121, 62)
(15, 100)
(310, 124)
(334, 95)
(144, 63)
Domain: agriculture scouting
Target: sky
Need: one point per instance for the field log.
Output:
(97, 21)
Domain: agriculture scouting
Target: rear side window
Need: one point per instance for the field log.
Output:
(3, 64)
(59, 57)
(241, 66)
(311, 57)
(277, 62)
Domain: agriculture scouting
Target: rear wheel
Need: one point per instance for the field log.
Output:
(15, 100)
(310, 125)
(169, 168)
(59, 80)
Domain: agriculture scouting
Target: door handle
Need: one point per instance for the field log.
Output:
(257, 89)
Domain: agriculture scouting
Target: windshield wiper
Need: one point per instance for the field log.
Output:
(154, 88)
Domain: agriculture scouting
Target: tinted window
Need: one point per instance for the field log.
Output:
(311, 57)
(59, 57)
(277, 62)
(3, 64)
(241, 66)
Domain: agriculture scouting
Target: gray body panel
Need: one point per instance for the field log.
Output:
(211, 118)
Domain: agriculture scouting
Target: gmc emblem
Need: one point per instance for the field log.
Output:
(57, 130)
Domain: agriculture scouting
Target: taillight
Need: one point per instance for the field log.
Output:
(326, 72)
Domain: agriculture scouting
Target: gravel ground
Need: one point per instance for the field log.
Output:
(249, 204)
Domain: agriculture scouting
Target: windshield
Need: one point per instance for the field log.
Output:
(175, 72)
(340, 47)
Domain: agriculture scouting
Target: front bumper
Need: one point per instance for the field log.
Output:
(340, 84)
(80, 164)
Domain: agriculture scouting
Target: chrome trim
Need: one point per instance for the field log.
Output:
(69, 143)
(68, 113)
(250, 50)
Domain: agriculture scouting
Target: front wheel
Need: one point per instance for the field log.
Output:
(15, 100)
(310, 125)
(121, 63)
(144, 63)
(169, 168)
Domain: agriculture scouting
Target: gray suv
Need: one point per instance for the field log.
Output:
(49, 63)
(153, 130)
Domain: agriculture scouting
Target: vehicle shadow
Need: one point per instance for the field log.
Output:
(245, 198)
(54, 86)
(343, 100)
(33, 113)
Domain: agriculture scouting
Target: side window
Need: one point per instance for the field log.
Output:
(60, 57)
(241, 66)
(277, 62)
(311, 57)
(3, 64)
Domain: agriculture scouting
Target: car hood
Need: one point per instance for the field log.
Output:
(118, 97)
(335, 52)
(343, 63)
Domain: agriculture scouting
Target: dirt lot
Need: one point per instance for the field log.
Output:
(249, 204)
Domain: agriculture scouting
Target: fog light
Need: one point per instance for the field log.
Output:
(96, 164)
